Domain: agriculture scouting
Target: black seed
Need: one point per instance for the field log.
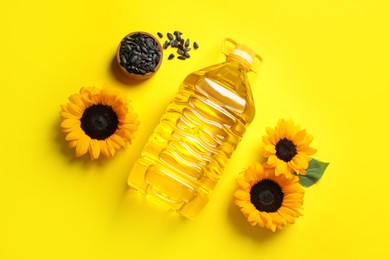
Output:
(123, 59)
(174, 43)
(155, 59)
(134, 58)
(149, 45)
(171, 56)
(178, 33)
(187, 43)
(196, 45)
(187, 49)
(170, 36)
(187, 55)
(181, 57)
(166, 43)
(160, 34)
(151, 67)
(267, 196)
(99, 121)
(144, 49)
(180, 51)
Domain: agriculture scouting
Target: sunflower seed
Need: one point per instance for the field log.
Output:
(196, 45)
(166, 43)
(177, 33)
(171, 56)
(160, 34)
(174, 43)
(134, 58)
(176, 40)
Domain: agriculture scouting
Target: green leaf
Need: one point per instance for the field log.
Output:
(313, 173)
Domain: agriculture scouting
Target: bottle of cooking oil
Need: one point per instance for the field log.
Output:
(200, 129)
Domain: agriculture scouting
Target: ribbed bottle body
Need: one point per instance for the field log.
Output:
(200, 129)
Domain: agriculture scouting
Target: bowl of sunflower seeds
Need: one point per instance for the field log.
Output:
(139, 55)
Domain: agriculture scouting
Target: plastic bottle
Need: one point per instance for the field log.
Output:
(200, 129)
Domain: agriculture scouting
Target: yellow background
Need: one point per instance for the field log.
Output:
(326, 66)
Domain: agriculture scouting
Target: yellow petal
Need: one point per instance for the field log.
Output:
(254, 217)
(104, 148)
(300, 137)
(75, 110)
(247, 208)
(242, 195)
(270, 149)
(281, 167)
(289, 129)
(70, 123)
(72, 144)
(243, 184)
(65, 114)
(77, 134)
(282, 129)
(76, 99)
(272, 135)
(110, 147)
(240, 203)
(272, 160)
(82, 146)
(112, 144)
(308, 139)
(118, 140)
(300, 161)
(266, 139)
(94, 149)
(307, 150)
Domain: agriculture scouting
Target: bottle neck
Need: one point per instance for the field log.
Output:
(239, 62)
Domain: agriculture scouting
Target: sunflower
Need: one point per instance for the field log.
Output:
(268, 200)
(287, 148)
(98, 121)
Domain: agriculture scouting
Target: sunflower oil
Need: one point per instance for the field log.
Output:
(200, 129)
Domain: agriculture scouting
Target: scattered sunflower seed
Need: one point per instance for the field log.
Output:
(166, 43)
(196, 45)
(176, 40)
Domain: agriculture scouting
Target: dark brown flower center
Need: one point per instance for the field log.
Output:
(267, 196)
(285, 150)
(99, 121)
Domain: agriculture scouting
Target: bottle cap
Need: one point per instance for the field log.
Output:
(241, 53)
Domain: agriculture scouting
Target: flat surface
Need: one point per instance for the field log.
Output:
(325, 66)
